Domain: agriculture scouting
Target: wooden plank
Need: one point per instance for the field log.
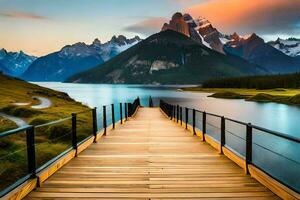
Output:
(150, 157)
(235, 158)
(21, 191)
(213, 142)
(45, 174)
(276, 187)
(84, 145)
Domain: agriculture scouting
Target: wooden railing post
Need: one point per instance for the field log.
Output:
(113, 115)
(177, 114)
(194, 121)
(203, 126)
(95, 126)
(248, 146)
(74, 132)
(31, 161)
(121, 114)
(222, 133)
(186, 117)
(104, 119)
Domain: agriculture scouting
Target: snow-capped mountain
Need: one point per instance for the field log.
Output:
(200, 30)
(255, 50)
(250, 47)
(14, 63)
(72, 59)
(290, 47)
(167, 57)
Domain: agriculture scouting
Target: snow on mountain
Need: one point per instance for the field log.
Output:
(15, 63)
(115, 46)
(76, 58)
(290, 47)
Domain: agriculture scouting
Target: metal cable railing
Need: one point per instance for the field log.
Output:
(67, 134)
(252, 156)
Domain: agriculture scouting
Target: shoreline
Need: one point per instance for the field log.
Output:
(279, 95)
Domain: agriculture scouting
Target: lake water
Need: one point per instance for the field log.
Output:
(277, 156)
(274, 116)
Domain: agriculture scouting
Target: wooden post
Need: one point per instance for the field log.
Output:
(194, 121)
(104, 119)
(74, 132)
(186, 117)
(222, 133)
(204, 125)
(95, 126)
(113, 115)
(31, 161)
(248, 146)
(121, 114)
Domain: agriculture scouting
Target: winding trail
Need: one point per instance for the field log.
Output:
(44, 103)
(20, 122)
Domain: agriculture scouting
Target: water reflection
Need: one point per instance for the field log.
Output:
(279, 117)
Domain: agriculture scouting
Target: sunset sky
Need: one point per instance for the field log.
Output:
(39, 27)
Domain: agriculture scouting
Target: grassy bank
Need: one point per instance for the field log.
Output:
(279, 95)
(50, 140)
(6, 124)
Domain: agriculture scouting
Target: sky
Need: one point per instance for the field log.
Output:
(39, 27)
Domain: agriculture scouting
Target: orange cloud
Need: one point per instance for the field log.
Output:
(264, 16)
(148, 26)
(22, 15)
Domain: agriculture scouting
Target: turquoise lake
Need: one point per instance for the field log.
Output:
(274, 116)
(277, 156)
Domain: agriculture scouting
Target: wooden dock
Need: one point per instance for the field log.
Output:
(150, 157)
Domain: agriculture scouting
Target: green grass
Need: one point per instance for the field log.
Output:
(227, 95)
(279, 95)
(50, 140)
(6, 124)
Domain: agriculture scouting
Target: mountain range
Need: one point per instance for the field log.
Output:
(153, 61)
(167, 57)
(290, 46)
(276, 57)
(72, 59)
(280, 56)
(14, 63)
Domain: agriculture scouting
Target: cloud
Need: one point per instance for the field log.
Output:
(148, 26)
(22, 15)
(263, 17)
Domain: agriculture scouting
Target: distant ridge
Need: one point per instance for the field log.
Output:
(72, 59)
(167, 57)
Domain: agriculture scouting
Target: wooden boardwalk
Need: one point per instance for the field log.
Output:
(150, 157)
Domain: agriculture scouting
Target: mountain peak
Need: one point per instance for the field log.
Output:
(120, 40)
(96, 42)
(290, 46)
(177, 23)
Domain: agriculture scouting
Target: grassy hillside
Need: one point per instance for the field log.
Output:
(167, 58)
(50, 140)
(16, 91)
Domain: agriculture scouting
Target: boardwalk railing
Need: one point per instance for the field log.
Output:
(276, 154)
(28, 151)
